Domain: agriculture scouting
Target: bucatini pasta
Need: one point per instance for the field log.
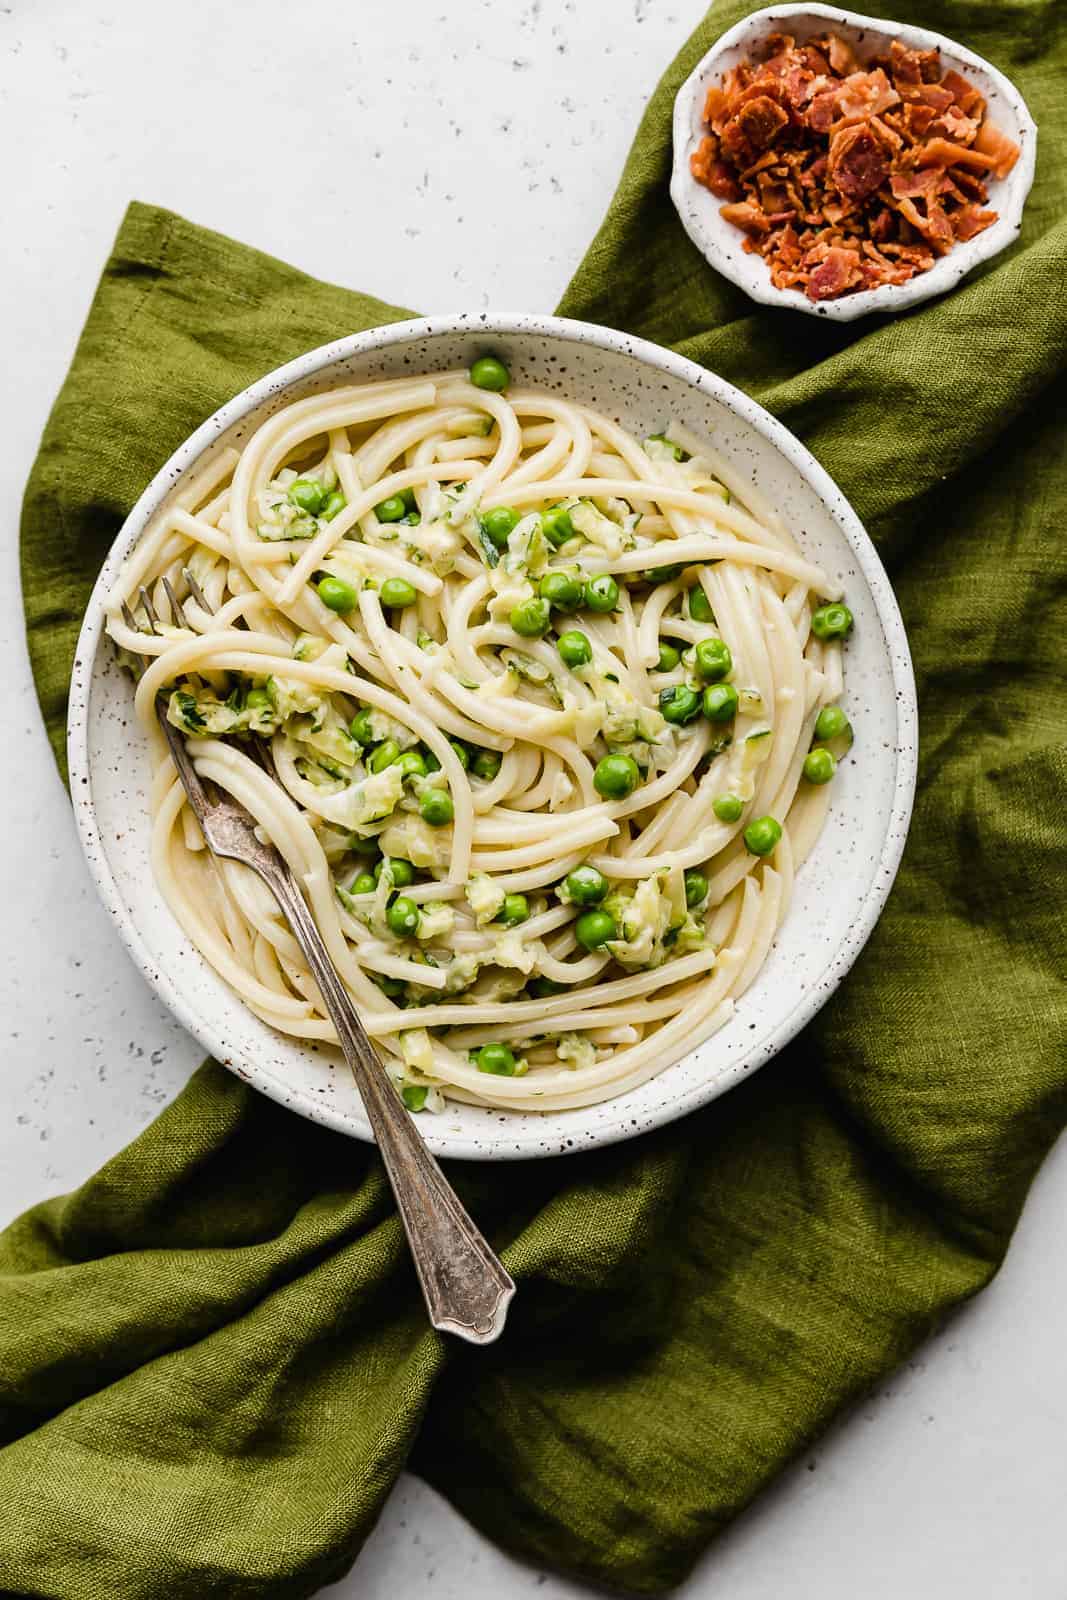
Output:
(553, 712)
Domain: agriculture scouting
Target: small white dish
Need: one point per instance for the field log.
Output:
(642, 387)
(722, 244)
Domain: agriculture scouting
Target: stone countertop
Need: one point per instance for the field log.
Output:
(442, 158)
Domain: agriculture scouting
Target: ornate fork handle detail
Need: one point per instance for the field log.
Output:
(467, 1289)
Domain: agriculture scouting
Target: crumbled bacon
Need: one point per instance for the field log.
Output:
(837, 271)
(865, 94)
(844, 174)
(752, 129)
(929, 94)
(881, 227)
(1004, 151)
(713, 173)
(841, 56)
(821, 112)
(774, 45)
(747, 215)
(969, 220)
(955, 127)
(965, 95)
(859, 162)
(943, 153)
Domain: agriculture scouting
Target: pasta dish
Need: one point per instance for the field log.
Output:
(552, 712)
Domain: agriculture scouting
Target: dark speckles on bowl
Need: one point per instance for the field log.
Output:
(861, 844)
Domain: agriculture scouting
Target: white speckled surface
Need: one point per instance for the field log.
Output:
(642, 387)
(945, 1486)
(722, 243)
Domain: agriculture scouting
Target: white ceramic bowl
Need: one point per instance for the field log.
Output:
(642, 386)
(722, 244)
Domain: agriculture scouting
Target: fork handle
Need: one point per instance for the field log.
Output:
(467, 1289)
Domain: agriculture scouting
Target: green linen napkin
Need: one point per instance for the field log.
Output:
(214, 1357)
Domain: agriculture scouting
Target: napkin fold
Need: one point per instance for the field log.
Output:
(213, 1357)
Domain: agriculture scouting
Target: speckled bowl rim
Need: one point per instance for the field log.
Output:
(949, 270)
(497, 1144)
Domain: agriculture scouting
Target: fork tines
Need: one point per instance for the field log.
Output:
(195, 590)
(178, 617)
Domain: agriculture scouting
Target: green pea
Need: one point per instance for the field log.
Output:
(258, 700)
(383, 755)
(495, 1058)
(668, 658)
(574, 648)
(516, 909)
(429, 760)
(531, 619)
(602, 594)
(720, 702)
(486, 764)
(679, 703)
(562, 591)
(335, 502)
(336, 594)
(498, 523)
(403, 917)
(762, 836)
(832, 622)
(363, 884)
(410, 503)
(391, 510)
(557, 526)
(414, 1095)
(544, 988)
(696, 888)
(362, 847)
(411, 765)
(727, 807)
(819, 766)
(489, 373)
(308, 495)
(615, 777)
(463, 755)
(831, 723)
(397, 593)
(360, 727)
(714, 660)
(586, 886)
(700, 606)
(435, 807)
(594, 928)
(663, 574)
(403, 873)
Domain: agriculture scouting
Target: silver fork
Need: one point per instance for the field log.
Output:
(466, 1288)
